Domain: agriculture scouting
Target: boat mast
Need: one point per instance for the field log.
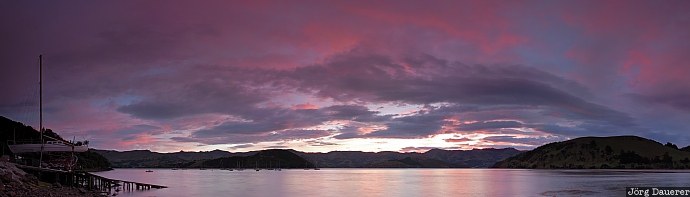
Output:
(40, 104)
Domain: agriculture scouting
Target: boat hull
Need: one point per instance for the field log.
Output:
(29, 148)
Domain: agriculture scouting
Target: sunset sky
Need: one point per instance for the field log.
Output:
(347, 75)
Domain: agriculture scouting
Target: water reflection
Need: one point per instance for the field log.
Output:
(397, 182)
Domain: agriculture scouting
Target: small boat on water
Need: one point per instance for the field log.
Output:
(149, 170)
(239, 167)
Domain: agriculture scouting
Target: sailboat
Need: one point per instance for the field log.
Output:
(223, 167)
(52, 144)
(239, 166)
(48, 146)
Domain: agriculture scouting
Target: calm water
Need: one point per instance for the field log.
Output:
(397, 182)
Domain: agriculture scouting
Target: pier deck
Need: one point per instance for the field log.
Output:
(87, 180)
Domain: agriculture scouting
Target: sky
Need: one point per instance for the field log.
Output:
(372, 76)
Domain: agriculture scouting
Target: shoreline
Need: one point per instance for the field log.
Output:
(16, 182)
(543, 169)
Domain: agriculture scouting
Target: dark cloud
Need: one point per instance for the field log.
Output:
(458, 140)
(518, 147)
(238, 128)
(427, 80)
(321, 143)
(678, 99)
(197, 97)
(523, 140)
(505, 131)
(278, 147)
(347, 132)
(354, 113)
(239, 146)
(231, 138)
(280, 124)
(419, 125)
(418, 149)
(139, 129)
(154, 110)
(184, 139)
(264, 120)
(207, 72)
(489, 125)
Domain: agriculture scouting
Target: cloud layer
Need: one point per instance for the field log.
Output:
(321, 76)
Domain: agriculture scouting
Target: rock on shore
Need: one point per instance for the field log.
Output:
(16, 182)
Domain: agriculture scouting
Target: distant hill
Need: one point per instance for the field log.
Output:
(686, 149)
(147, 158)
(621, 152)
(409, 162)
(272, 158)
(204, 159)
(435, 158)
(139, 158)
(352, 159)
(11, 130)
(475, 158)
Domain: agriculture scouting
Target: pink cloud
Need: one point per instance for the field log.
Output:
(458, 140)
(638, 39)
(185, 67)
(305, 106)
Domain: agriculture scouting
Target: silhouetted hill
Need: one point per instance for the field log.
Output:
(352, 159)
(601, 152)
(11, 131)
(206, 154)
(272, 158)
(204, 159)
(147, 158)
(409, 162)
(139, 158)
(92, 161)
(476, 158)
(686, 149)
(435, 158)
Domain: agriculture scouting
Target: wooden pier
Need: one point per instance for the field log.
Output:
(87, 180)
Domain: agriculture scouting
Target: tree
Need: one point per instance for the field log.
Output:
(632, 157)
(608, 150)
(671, 145)
(667, 158)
